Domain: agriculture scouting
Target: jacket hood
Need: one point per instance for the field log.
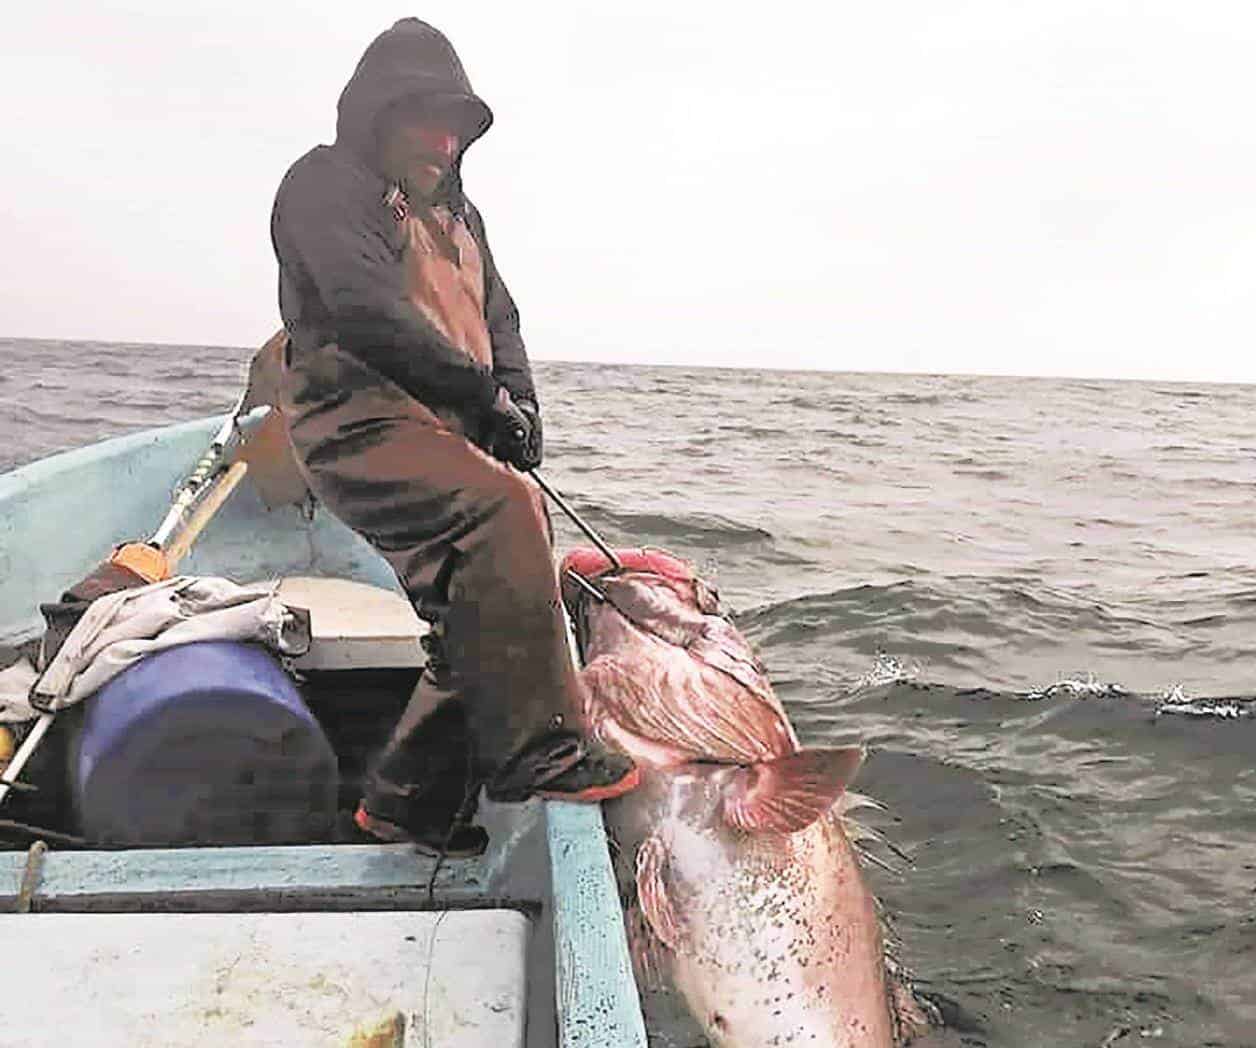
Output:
(410, 59)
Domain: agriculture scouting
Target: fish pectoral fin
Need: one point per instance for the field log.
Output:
(788, 794)
(652, 894)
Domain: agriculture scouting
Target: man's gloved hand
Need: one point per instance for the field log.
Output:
(535, 447)
(516, 431)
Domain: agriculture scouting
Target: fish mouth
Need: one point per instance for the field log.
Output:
(644, 560)
(583, 567)
(583, 574)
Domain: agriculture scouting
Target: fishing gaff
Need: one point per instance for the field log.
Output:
(578, 521)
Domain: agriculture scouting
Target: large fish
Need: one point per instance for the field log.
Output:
(742, 890)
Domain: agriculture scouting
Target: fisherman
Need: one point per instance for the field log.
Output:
(410, 403)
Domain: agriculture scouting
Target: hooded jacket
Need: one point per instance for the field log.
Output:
(341, 248)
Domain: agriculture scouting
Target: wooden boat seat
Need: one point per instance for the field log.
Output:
(355, 625)
(455, 978)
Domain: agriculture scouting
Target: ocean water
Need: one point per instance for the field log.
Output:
(1035, 599)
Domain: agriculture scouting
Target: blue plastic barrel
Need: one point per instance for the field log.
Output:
(206, 743)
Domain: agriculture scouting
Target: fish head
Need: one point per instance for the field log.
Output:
(652, 591)
(668, 678)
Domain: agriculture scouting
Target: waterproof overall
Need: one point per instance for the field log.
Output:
(468, 539)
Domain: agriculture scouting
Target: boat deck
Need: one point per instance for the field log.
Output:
(457, 979)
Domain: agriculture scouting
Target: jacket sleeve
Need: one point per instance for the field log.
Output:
(331, 225)
(510, 359)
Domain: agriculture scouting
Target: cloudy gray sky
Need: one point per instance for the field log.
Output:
(1054, 187)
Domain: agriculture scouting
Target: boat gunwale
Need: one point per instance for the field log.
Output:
(42, 469)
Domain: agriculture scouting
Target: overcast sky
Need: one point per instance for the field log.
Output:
(1055, 187)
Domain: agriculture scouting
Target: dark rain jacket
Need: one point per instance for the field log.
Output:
(340, 247)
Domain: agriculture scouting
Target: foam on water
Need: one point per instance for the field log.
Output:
(886, 670)
(1087, 687)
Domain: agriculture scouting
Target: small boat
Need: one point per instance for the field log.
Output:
(317, 942)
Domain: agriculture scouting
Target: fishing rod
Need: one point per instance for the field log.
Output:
(212, 463)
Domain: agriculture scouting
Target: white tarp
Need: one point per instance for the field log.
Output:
(121, 628)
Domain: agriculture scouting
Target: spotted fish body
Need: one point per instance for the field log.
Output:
(745, 906)
(770, 938)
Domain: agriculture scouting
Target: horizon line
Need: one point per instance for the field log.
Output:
(704, 367)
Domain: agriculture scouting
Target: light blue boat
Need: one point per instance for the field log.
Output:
(317, 944)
